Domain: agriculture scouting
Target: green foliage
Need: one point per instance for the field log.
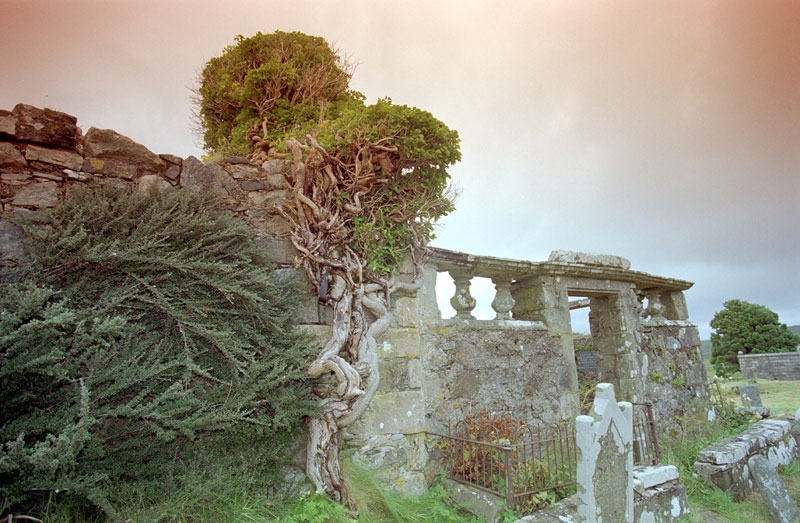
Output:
(677, 381)
(682, 446)
(291, 85)
(282, 78)
(656, 377)
(150, 333)
(747, 328)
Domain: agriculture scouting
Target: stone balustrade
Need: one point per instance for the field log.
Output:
(664, 295)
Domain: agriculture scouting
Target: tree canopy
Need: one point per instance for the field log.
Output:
(747, 328)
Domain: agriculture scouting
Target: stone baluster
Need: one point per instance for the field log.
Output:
(503, 302)
(462, 301)
(654, 307)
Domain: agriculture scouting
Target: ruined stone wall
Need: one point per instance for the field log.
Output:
(508, 368)
(675, 374)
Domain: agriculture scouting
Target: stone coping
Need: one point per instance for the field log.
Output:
(491, 267)
(758, 436)
(485, 324)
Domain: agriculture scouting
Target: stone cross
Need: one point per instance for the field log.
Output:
(605, 460)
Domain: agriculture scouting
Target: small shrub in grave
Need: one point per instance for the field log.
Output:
(547, 478)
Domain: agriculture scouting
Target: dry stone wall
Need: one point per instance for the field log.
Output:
(776, 366)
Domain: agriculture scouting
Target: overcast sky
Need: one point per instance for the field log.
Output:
(665, 132)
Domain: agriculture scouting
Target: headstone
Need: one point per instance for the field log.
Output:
(605, 459)
(770, 485)
(750, 396)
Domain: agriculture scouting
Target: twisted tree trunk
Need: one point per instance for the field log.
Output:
(359, 298)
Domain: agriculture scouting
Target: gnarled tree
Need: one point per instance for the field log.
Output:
(368, 183)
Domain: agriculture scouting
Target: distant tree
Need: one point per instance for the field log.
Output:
(747, 328)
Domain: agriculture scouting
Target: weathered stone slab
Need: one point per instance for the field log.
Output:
(58, 157)
(42, 194)
(773, 491)
(107, 144)
(42, 126)
(585, 258)
(11, 158)
(750, 395)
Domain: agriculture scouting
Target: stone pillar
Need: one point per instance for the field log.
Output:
(605, 459)
(503, 302)
(674, 305)
(545, 299)
(616, 332)
(462, 301)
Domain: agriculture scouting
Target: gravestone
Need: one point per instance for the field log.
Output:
(750, 395)
(605, 459)
(773, 490)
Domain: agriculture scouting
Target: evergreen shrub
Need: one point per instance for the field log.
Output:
(149, 336)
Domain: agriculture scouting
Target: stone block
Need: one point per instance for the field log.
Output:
(395, 413)
(110, 167)
(405, 312)
(584, 258)
(773, 490)
(144, 183)
(662, 504)
(10, 158)
(197, 176)
(416, 374)
(171, 158)
(651, 476)
(478, 502)
(394, 375)
(250, 185)
(41, 194)
(79, 176)
(42, 126)
(8, 124)
(15, 178)
(57, 157)
(400, 343)
(107, 144)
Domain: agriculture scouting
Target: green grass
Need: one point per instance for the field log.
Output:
(224, 496)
